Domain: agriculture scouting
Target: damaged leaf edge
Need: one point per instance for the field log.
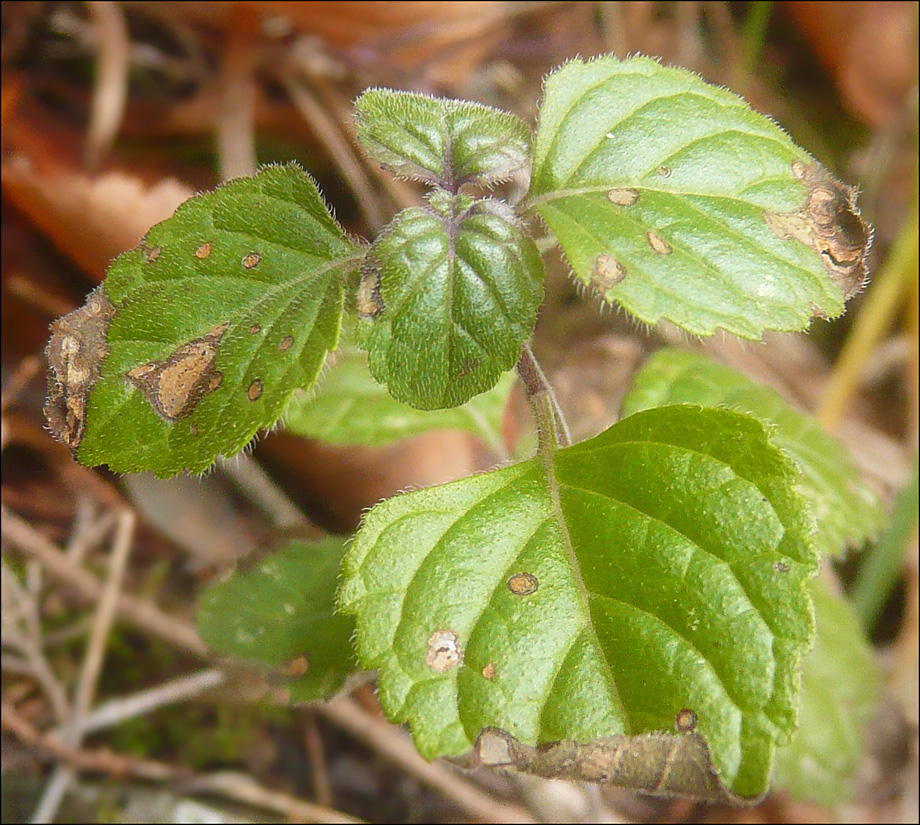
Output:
(659, 764)
(829, 222)
(75, 353)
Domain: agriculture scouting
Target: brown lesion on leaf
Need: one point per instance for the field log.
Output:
(606, 273)
(488, 672)
(175, 385)
(254, 392)
(662, 764)
(443, 651)
(658, 244)
(623, 197)
(203, 251)
(75, 354)
(152, 254)
(296, 667)
(523, 584)
(368, 301)
(685, 720)
(829, 222)
(286, 343)
(252, 260)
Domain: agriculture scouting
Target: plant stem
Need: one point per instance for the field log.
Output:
(880, 568)
(552, 431)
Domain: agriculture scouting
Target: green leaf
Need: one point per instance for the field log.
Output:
(460, 285)
(677, 201)
(443, 142)
(219, 315)
(617, 594)
(841, 681)
(349, 407)
(280, 614)
(848, 513)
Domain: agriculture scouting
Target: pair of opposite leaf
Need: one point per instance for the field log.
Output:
(723, 223)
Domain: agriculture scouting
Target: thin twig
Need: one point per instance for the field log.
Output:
(113, 49)
(313, 742)
(63, 775)
(258, 486)
(131, 610)
(22, 376)
(233, 787)
(328, 133)
(115, 711)
(235, 131)
(244, 789)
(391, 743)
(400, 192)
(22, 633)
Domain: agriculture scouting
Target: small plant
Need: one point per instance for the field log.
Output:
(635, 608)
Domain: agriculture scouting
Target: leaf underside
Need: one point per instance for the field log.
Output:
(847, 512)
(619, 595)
(460, 285)
(280, 614)
(659, 188)
(219, 315)
(350, 407)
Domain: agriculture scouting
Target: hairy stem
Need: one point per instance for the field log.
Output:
(552, 431)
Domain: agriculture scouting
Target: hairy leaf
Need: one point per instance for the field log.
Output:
(617, 591)
(215, 319)
(459, 286)
(281, 614)
(840, 684)
(848, 513)
(443, 142)
(349, 407)
(674, 199)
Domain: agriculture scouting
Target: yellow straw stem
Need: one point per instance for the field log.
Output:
(884, 301)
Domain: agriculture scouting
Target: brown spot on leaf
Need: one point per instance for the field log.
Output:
(658, 244)
(606, 273)
(175, 385)
(368, 300)
(255, 329)
(780, 567)
(251, 260)
(523, 584)
(153, 254)
(685, 720)
(488, 672)
(286, 343)
(443, 651)
(830, 223)
(254, 393)
(193, 429)
(623, 197)
(664, 171)
(203, 251)
(296, 667)
(75, 354)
